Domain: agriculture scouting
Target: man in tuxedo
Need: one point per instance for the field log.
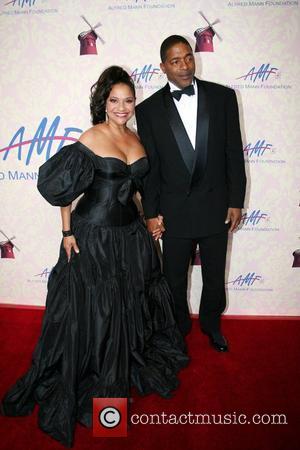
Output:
(191, 133)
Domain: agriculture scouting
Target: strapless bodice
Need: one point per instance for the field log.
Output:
(108, 184)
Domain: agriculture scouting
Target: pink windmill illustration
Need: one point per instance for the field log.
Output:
(7, 247)
(204, 36)
(88, 39)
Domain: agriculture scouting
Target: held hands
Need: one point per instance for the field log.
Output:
(69, 243)
(234, 216)
(156, 227)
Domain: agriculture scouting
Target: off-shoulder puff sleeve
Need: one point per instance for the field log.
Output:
(65, 176)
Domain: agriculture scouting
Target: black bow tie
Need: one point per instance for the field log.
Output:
(188, 90)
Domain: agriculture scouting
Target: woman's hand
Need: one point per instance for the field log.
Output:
(158, 228)
(70, 243)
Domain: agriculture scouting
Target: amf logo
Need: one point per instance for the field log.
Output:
(41, 277)
(262, 152)
(253, 218)
(27, 7)
(260, 74)
(258, 149)
(145, 74)
(257, 220)
(250, 281)
(21, 3)
(46, 141)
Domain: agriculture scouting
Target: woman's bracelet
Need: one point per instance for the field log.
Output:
(67, 233)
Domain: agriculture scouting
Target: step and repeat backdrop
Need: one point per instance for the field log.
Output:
(53, 51)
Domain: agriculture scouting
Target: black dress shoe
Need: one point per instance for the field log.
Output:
(217, 341)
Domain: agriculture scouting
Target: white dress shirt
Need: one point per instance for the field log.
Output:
(187, 109)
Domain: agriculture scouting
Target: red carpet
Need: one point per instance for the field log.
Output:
(260, 375)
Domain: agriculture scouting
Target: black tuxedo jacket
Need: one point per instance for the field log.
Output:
(192, 189)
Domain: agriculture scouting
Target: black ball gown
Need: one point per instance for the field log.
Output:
(108, 323)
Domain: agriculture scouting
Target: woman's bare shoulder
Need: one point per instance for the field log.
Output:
(89, 136)
(95, 138)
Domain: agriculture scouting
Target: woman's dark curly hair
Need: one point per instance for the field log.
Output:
(101, 89)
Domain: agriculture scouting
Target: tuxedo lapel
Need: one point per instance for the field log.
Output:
(201, 134)
(184, 144)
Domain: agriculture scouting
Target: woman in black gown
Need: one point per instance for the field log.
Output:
(108, 323)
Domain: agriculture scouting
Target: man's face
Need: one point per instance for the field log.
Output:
(179, 65)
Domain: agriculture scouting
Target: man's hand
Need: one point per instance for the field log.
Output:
(156, 227)
(234, 216)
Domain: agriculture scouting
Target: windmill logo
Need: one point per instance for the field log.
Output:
(204, 36)
(88, 39)
(7, 247)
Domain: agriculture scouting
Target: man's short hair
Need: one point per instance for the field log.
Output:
(169, 42)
